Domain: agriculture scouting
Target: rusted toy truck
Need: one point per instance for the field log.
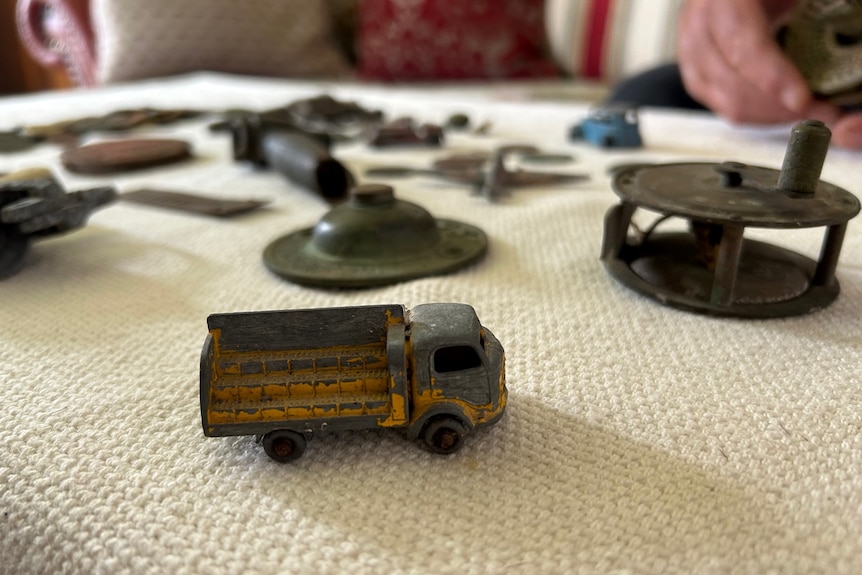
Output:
(283, 376)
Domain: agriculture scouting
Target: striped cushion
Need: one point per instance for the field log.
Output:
(610, 39)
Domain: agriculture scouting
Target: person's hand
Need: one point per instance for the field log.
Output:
(847, 131)
(731, 63)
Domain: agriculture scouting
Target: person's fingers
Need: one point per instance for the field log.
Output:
(745, 38)
(823, 111)
(847, 132)
(715, 83)
(695, 49)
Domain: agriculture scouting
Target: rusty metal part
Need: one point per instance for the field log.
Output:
(326, 112)
(374, 239)
(713, 269)
(68, 132)
(192, 203)
(125, 155)
(486, 174)
(301, 157)
(323, 114)
(405, 132)
(34, 205)
(824, 39)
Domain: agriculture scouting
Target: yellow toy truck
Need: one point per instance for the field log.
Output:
(283, 376)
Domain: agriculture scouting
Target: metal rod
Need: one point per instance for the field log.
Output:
(727, 266)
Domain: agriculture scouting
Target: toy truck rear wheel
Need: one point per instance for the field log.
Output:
(444, 435)
(284, 445)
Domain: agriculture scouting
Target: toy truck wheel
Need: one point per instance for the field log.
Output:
(606, 141)
(284, 445)
(444, 435)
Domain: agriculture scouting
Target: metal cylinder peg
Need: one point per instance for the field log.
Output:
(803, 160)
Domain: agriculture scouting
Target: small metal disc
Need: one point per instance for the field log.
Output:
(125, 155)
(374, 239)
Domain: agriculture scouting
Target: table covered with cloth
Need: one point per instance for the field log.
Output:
(638, 438)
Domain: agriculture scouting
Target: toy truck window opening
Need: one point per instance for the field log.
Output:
(456, 358)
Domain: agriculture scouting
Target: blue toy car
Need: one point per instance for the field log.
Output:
(609, 126)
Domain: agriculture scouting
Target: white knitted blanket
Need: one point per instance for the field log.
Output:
(638, 438)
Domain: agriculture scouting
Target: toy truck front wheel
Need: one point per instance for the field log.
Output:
(444, 435)
(284, 445)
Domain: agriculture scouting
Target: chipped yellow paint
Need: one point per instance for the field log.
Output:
(243, 416)
(347, 412)
(247, 394)
(397, 412)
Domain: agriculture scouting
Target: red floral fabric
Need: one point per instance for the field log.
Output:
(404, 40)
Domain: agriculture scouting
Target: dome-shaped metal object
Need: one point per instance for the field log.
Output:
(374, 239)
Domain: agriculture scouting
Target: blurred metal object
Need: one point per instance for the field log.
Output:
(374, 239)
(68, 131)
(824, 39)
(487, 174)
(192, 203)
(405, 132)
(713, 269)
(34, 205)
(125, 155)
(14, 141)
(299, 156)
(322, 115)
(325, 113)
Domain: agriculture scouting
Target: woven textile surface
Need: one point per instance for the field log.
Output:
(638, 438)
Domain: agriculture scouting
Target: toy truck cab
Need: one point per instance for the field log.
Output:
(612, 125)
(459, 378)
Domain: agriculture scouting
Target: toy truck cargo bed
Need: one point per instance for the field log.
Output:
(292, 366)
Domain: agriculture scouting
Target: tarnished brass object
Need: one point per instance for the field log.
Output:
(374, 239)
(824, 39)
(34, 205)
(712, 268)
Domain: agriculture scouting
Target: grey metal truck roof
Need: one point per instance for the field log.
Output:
(301, 329)
(437, 324)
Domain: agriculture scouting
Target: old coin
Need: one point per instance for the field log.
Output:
(125, 155)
